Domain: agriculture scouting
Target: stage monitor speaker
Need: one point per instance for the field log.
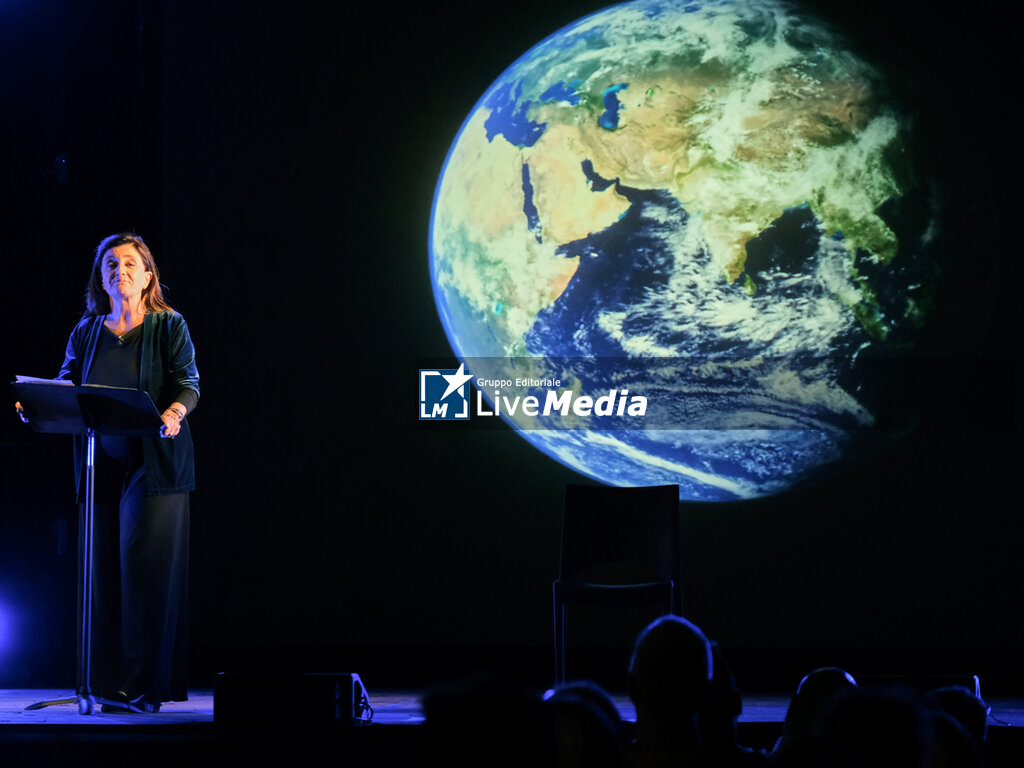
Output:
(306, 699)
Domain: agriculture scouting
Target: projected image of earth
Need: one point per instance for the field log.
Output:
(713, 204)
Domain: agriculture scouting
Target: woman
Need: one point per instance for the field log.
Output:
(130, 337)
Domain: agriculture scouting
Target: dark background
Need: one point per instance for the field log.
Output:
(281, 161)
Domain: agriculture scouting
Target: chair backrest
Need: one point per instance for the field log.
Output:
(614, 535)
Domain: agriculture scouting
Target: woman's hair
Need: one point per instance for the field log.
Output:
(97, 302)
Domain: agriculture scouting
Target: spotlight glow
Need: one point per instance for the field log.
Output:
(5, 626)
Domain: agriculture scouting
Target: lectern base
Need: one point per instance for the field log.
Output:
(87, 704)
(50, 703)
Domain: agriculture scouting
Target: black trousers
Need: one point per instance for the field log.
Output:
(139, 642)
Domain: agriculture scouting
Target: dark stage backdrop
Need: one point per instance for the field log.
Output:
(281, 159)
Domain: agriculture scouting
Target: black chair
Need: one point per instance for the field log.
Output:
(620, 547)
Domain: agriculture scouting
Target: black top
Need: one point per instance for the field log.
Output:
(116, 364)
(167, 368)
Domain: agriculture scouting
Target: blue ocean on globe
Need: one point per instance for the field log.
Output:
(714, 206)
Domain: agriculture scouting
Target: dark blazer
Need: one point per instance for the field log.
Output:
(167, 367)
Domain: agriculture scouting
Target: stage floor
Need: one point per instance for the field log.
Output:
(269, 732)
(390, 707)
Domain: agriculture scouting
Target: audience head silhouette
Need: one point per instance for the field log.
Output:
(969, 710)
(486, 721)
(588, 726)
(593, 693)
(952, 746)
(669, 681)
(880, 727)
(813, 693)
(724, 704)
(671, 666)
(717, 723)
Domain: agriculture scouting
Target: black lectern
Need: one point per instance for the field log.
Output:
(60, 407)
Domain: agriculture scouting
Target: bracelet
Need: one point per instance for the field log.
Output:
(177, 413)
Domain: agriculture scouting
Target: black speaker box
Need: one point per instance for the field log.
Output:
(309, 699)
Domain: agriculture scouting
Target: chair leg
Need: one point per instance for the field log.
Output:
(559, 620)
(564, 644)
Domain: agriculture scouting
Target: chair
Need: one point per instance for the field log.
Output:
(620, 547)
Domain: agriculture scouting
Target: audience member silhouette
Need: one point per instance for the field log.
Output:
(588, 726)
(880, 728)
(968, 709)
(952, 745)
(687, 705)
(487, 721)
(811, 752)
(814, 691)
(717, 723)
(833, 723)
(669, 681)
(597, 696)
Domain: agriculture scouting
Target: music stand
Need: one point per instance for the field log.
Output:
(60, 407)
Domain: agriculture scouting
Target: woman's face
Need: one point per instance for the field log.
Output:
(124, 273)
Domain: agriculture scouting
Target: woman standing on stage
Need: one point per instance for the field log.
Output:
(130, 337)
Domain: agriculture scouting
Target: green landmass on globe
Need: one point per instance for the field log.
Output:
(715, 204)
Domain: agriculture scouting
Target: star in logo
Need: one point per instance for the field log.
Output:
(456, 381)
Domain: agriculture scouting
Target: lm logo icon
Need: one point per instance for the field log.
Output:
(444, 393)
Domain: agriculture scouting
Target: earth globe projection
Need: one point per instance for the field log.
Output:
(715, 205)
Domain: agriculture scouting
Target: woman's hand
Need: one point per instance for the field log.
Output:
(21, 412)
(172, 420)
